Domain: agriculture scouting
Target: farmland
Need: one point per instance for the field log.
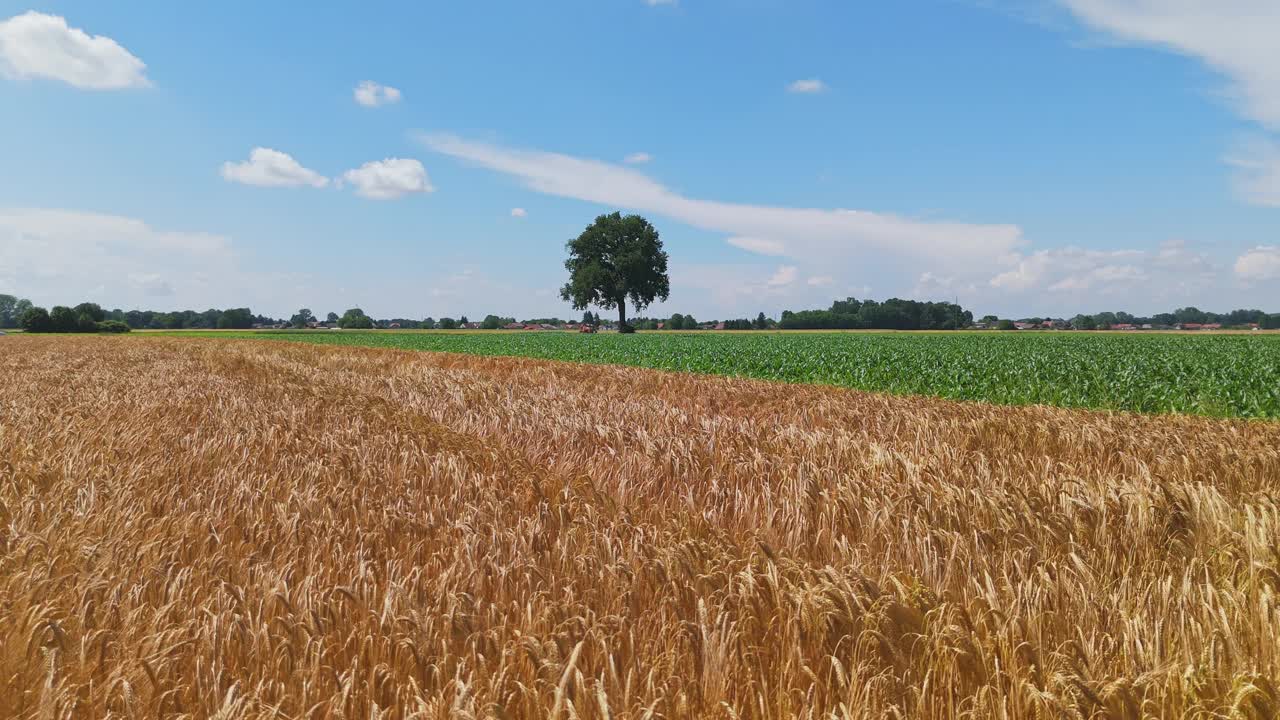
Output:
(265, 529)
(1217, 375)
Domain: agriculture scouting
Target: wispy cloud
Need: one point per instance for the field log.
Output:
(1237, 38)
(807, 87)
(638, 158)
(519, 212)
(804, 232)
(35, 45)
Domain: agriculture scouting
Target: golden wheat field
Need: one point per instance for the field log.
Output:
(239, 529)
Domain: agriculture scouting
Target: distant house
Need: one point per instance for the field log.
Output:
(471, 326)
(1024, 326)
(513, 326)
(1124, 326)
(662, 326)
(720, 325)
(532, 326)
(393, 326)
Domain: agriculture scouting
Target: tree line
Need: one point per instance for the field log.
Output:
(892, 314)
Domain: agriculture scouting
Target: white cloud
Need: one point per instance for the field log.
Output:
(35, 45)
(783, 276)
(1259, 263)
(1172, 272)
(760, 246)
(820, 280)
(519, 212)
(66, 256)
(803, 232)
(1236, 37)
(372, 94)
(807, 87)
(1257, 164)
(271, 168)
(389, 179)
(638, 158)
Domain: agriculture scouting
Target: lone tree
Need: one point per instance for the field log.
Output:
(615, 259)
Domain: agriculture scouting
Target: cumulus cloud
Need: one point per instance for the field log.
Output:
(271, 168)
(35, 45)
(372, 94)
(638, 158)
(519, 212)
(389, 179)
(1259, 263)
(760, 246)
(807, 87)
(1173, 271)
(783, 276)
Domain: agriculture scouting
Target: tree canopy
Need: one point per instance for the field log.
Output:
(616, 259)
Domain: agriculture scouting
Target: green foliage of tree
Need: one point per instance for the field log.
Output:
(689, 323)
(892, 314)
(447, 323)
(762, 322)
(301, 318)
(355, 319)
(1005, 325)
(64, 319)
(675, 322)
(93, 310)
(1270, 322)
(36, 320)
(12, 309)
(85, 323)
(238, 319)
(495, 322)
(113, 326)
(616, 259)
(332, 317)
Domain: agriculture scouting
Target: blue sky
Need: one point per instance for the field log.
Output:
(414, 159)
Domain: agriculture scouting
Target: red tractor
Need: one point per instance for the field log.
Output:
(587, 328)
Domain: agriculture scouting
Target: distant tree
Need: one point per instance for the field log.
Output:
(990, 318)
(762, 322)
(689, 323)
(1270, 322)
(494, 322)
(428, 323)
(587, 318)
(64, 319)
(10, 313)
(332, 317)
(93, 310)
(1005, 325)
(355, 319)
(85, 323)
(675, 322)
(239, 319)
(463, 321)
(36, 320)
(617, 258)
(447, 323)
(113, 326)
(301, 318)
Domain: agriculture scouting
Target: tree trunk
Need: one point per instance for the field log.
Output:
(622, 314)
